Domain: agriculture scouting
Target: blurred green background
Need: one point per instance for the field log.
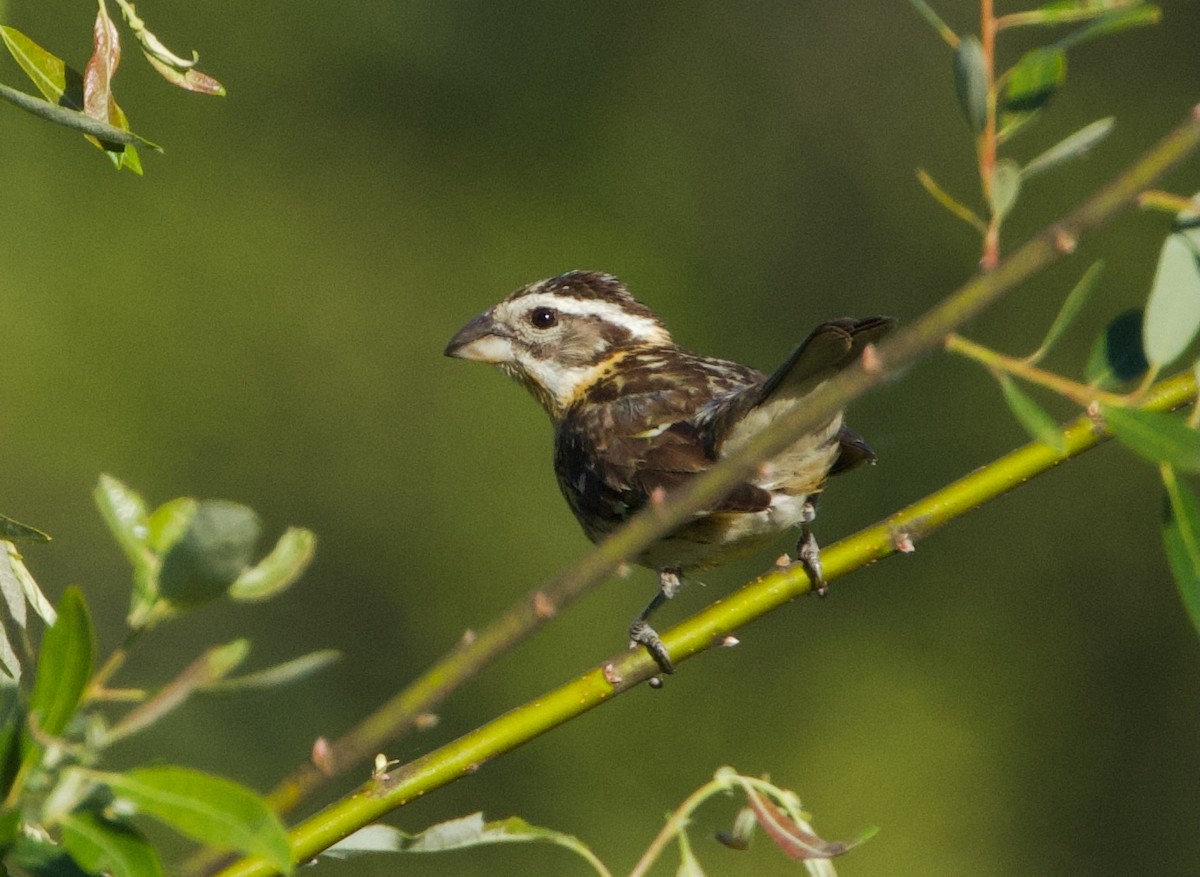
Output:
(262, 318)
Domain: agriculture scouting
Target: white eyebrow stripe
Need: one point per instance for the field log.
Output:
(641, 327)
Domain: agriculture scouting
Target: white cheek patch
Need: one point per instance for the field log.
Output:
(490, 349)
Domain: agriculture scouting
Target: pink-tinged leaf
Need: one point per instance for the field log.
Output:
(101, 67)
(190, 79)
(796, 841)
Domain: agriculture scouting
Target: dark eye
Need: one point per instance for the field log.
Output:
(543, 318)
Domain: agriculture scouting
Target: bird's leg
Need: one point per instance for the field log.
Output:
(641, 633)
(807, 550)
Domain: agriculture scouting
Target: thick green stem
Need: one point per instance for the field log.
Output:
(469, 753)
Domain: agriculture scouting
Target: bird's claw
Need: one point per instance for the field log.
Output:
(642, 634)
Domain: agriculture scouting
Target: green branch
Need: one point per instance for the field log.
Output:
(464, 756)
(401, 714)
(73, 119)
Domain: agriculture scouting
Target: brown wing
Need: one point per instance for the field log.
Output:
(616, 450)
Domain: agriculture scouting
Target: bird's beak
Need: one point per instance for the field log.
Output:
(481, 340)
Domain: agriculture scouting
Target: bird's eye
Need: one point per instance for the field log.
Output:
(543, 318)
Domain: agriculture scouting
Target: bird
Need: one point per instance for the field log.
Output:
(636, 416)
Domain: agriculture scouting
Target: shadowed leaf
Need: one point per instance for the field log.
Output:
(1117, 356)
(1157, 436)
(1040, 425)
(1006, 186)
(1075, 146)
(1181, 537)
(970, 82)
(101, 846)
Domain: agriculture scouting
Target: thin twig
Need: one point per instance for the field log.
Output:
(73, 119)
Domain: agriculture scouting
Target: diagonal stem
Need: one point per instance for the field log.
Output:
(708, 628)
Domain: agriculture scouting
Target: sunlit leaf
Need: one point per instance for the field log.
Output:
(1069, 11)
(1006, 185)
(14, 566)
(1181, 537)
(970, 82)
(215, 550)
(210, 809)
(101, 846)
(124, 510)
(278, 570)
(1117, 356)
(1155, 435)
(1040, 425)
(1034, 78)
(1173, 308)
(47, 71)
(64, 665)
(1071, 307)
(278, 675)
(169, 522)
(1075, 146)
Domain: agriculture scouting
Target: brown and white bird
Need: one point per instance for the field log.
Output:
(635, 416)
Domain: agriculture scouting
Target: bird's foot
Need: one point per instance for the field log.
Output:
(808, 553)
(642, 634)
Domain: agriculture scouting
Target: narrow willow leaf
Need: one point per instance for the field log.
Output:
(1068, 12)
(970, 82)
(216, 663)
(1070, 309)
(188, 78)
(33, 594)
(277, 571)
(1173, 309)
(1157, 436)
(457, 834)
(100, 846)
(1075, 146)
(1114, 21)
(10, 590)
(1006, 186)
(10, 662)
(101, 67)
(64, 665)
(47, 71)
(1034, 79)
(935, 21)
(1181, 537)
(966, 214)
(281, 674)
(210, 809)
(1117, 356)
(1032, 416)
(12, 719)
(15, 531)
(215, 550)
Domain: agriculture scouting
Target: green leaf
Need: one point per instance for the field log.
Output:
(457, 834)
(935, 21)
(12, 717)
(1006, 185)
(1173, 309)
(1033, 417)
(169, 522)
(215, 550)
(58, 84)
(966, 214)
(1034, 79)
(278, 570)
(15, 531)
(1117, 356)
(100, 846)
(64, 665)
(1117, 20)
(1075, 146)
(210, 809)
(41, 858)
(1157, 436)
(1069, 310)
(1068, 11)
(970, 82)
(281, 674)
(1181, 537)
(124, 510)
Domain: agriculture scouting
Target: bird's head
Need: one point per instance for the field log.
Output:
(556, 337)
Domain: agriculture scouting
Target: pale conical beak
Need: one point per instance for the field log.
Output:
(481, 340)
